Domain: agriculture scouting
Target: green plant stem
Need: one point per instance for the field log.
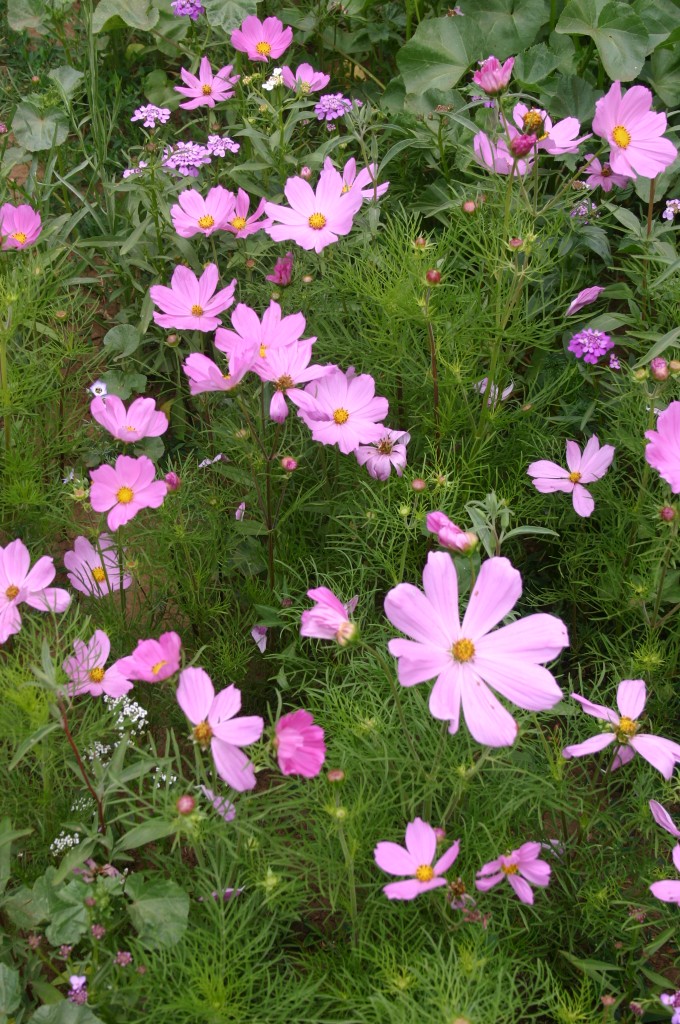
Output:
(433, 367)
(665, 558)
(389, 673)
(81, 767)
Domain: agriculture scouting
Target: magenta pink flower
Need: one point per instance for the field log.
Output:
(125, 489)
(152, 661)
(205, 375)
(192, 214)
(224, 807)
(96, 571)
(329, 619)
(314, 219)
(584, 298)
(663, 451)
(262, 39)
(191, 303)
(669, 890)
(467, 660)
(416, 861)
(601, 174)
(283, 271)
(384, 454)
(497, 157)
(520, 867)
(19, 584)
(207, 89)
(492, 76)
(287, 366)
(19, 226)
(663, 818)
(86, 671)
(212, 717)
(624, 729)
(448, 534)
(299, 744)
(634, 132)
(142, 419)
(581, 469)
(557, 138)
(342, 409)
(365, 181)
(242, 225)
(273, 331)
(305, 79)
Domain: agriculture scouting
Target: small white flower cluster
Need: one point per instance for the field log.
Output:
(98, 751)
(161, 777)
(275, 79)
(130, 714)
(82, 805)
(63, 842)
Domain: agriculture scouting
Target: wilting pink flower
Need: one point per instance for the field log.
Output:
(342, 409)
(299, 744)
(86, 671)
(581, 469)
(240, 512)
(19, 584)
(287, 366)
(152, 661)
(249, 332)
(329, 619)
(223, 806)
(212, 717)
(205, 375)
(482, 386)
(142, 419)
(416, 861)
(557, 138)
(624, 729)
(283, 271)
(305, 79)
(314, 219)
(520, 867)
(173, 481)
(448, 534)
(663, 451)
(262, 39)
(634, 132)
(601, 174)
(663, 818)
(520, 145)
(584, 298)
(672, 1000)
(492, 76)
(207, 89)
(242, 225)
(365, 181)
(497, 157)
(259, 635)
(19, 226)
(96, 571)
(387, 452)
(125, 489)
(191, 303)
(192, 214)
(289, 464)
(467, 660)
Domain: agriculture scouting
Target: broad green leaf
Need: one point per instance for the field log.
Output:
(67, 78)
(159, 910)
(7, 837)
(36, 131)
(535, 65)
(139, 14)
(439, 54)
(660, 18)
(23, 14)
(659, 347)
(122, 340)
(618, 32)
(64, 1013)
(663, 75)
(228, 14)
(31, 741)
(10, 989)
(509, 26)
(568, 97)
(147, 832)
(123, 384)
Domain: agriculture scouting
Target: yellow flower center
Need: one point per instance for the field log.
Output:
(532, 121)
(130, 429)
(20, 237)
(206, 222)
(341, 416)
(238, 222)
(197, 310)
(424, 873)
(509, 869)
(317, 221)
(155, 669)
(202, 733)
(574, 477)
(346, 187)
(463, 650)
(98, 574)
(263, 351)
(345, 633)
(125, 495)
(621, 136)
(263, 48)
(626, 728)
(284, 382)
(206, 90)
(304, 88)
(96, 675)
(11, 592)
(385, 446)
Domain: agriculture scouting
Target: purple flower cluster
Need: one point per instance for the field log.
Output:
(672, 1001)
(672, 207)
(590, 345)
(219, 145)
(188, 9)
(332, 106)
(150, 115)
(186, 158)
(128, 172)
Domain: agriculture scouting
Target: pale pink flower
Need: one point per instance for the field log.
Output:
(191, 303)
(207, 89)
(142, 419)
(215, 726)
(283, 271)
(492, 76)
(125, 489)
(152, 661)
(87, 673)
(557, 138)
(663, 451)
(584, 298)
(448, 534)
(669, 892)
(624, 729)
(329, 619)
(262, 39)
(343, 409)
(497, 157)
(581, 469)
(299, 744)
(205, 375)
(663, 818)
(305, 79)
(314, 219)
(287, 366)
(19, 584)
(250, 333)
(634, 132)
(96, 571)
(259, 635)
(415, 861)
(242, 225)
(19, 226)
(380, 457)
(468, 660)
(365, 181)
(601, 174)
(520, 867)
(224, 807)
(494, 397)
(240, 512)
(192, 214)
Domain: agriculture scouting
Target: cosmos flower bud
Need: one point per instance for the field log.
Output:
(660, 369)
(522, 144)
(186, 804)
(172, 340)
(674, 366)
(306, 173)
(469, 206)
(433, 276)
(418, 484)
(440, 834)
(667, 513)
(173, 481)
(250, 263)
(641, 374)
(307, 279)
(335, 775)
(420, 242)
(288, 463)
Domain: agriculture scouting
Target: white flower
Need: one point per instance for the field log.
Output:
(98, 389)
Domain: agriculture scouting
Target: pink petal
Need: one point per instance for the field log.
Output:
(583, 501)
(662, 754)
(549, 470)
(421, 841)
(496, 592)
(394, 859)
(630, 698)
(669, 892)
(440, 583)
(589, 746)
(417, 662)
(240, 732)
(446, 693)
(489, 881)
(529, 686)
(233, 766)
(663, 818)
(410, 888)
(195, 694)
(486, 718)
(446, 860)
(597, 710)
(535, 638)
(226, 704)
(536, 871)
(409, 610)
(521, 888)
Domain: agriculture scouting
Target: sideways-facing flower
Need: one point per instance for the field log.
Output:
(493, 77)
(520, 867)
(96, 571)
(215, 726)
(191, 303)
(482, 386)
(663, 818)
(262, 39)
(448, 534)
(581, 469)
(669, 890)
(389, 451)
(415, 861)
(590, 345)
(259, 635)
(299, 744)
(207, 89)
(141, 420)
(624, 729)
(329, 619)
(283, 271)
(19, 584)
(497, 157)
(242, 225)
(152, 661)
(584, 298)
(86, 671)
(19, 226)
(342, 409)
(305, 79)
(125, 489)
(224, 807)
(468, 660)
(314, 219)
(601, 174)
(634, 132)
(205, 375)
(557, 138)
(663, 451)
(193, 214)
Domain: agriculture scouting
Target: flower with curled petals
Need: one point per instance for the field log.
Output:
(584, 298)
(153, 660)
(415, 861)
(520, 867)
(663, 818)
(557, 138)
(329, 619)
(668, 890)
(581, 469)
(299, 744)
(86, 669)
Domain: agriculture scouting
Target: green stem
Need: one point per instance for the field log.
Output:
(664, 569)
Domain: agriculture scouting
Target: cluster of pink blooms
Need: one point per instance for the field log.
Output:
(20, 226)
(220, 210)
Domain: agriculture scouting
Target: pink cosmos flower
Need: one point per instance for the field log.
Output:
(663, 451)
(19, 226)
(207, 89)
(669, 890)
(191, 303)
(624, 729)
(329, 619)
(497, 157)
(305, 79)
(86, 669)
(492, 76)
(389, 451)
(467, 660)
(448, 534)
(283, 271)
(601, 174)
(581, 469)
(96, 571)
(19, 584)
(520, 867)
(557, 138)
(342, 409)
(365, 181)
(416, 861)
(192, 214)
(142, 419)
(205, 375)
(584, 298)
(287, 366)
(634, 132)
(663, 818)
(224, 807)
(242, 225)
(262, 39)
(212, 717)
(299, 744)
(273, 331)
(125, 489)
(152, 661)
(314, 219)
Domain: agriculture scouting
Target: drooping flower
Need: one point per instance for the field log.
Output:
(21, 584)
(330, 618)
(624, 729)
(299, 744)
(482, 386)
(314, 219)
(191, 303)
(305, 79)
(142, 419)
(249, 332)
(287, 367)
(663, 818)
(206, 89)
(520, 867)
(581, 469)
(467, 661)
(125, 489)
(215, 726)
(663, 451)
(262, 40)
(380, 457)
(20, 226)
(493, 77)
(151, 115)
(584, 298)
(590, 345)
(205, 375)
(497, 157)
(448, 534)
(672, 999)
(87, 673)
(96, 571)
(224, 807)
(365, 181)
(242, 225)
(415, 861)
(192, 214)
(557, 138)
(601, 174)
(283, 271)
(152, 661)
(343, 409)
(634, 132)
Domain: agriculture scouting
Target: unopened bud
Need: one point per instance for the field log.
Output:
(288, 463)
(275, 296)
(186, 804)
(307, 279)
(469, 206)
(173, 481)
(522, 144)
(667, 513)
(250, 263)
(61, 314)
(516, 243)
(660, 369)
(674, 366)
(418, 484)
(641, 374)
(433, 276)
(420, 242)
(439, 833)
(35, 78)
(172, 340)
(335, 775)
(306, 173)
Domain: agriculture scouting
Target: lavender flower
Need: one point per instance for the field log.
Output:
(583, 211)
(186, 158)
(672, 207)
(672, 1001)
(135, 170)
(123, 958)
(150, 115)
(218, 145)
(590, 345)
(614, 363)
(187, 8)
(77, 993)
(332, 106)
